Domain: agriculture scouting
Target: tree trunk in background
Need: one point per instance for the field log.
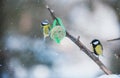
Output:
(1, 19)
(115, 64)
(3, 66)
(115, 4)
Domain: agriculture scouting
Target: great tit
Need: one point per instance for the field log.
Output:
(97, 47)
(46, 28)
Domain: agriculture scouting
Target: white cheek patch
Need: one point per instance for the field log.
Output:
(44, 23)
(96, 42)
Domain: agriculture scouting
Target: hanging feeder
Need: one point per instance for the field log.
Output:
(57, 31)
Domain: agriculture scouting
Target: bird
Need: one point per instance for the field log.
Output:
(46, 28)
(97, 47)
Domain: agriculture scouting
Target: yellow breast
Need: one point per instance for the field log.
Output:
(98, 49)
(46, 31)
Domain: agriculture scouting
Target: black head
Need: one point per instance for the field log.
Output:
(95, 42)
(45, 22)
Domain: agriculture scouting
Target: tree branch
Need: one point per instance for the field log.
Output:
(83, 48)
(114, 39)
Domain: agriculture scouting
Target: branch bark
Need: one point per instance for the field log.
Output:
(114, 39)
(83, 48)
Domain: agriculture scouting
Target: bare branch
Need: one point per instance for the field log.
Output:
(114, 39)
(83, 48)
(78, 38)
(51, 12)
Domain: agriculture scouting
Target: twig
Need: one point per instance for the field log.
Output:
(114, 39)
(83, 48)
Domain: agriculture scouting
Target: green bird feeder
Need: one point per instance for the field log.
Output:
(57, 31)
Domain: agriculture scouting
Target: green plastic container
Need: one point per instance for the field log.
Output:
(57, 31)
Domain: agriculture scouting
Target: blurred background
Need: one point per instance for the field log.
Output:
(25, 54)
